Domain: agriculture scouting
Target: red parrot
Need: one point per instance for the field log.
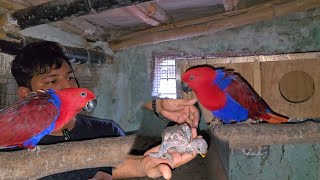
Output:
(227, 95)
(24, 123)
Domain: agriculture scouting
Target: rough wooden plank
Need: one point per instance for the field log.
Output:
(52, 159)
(244, 136)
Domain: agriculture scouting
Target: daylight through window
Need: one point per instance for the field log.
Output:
(164, 81)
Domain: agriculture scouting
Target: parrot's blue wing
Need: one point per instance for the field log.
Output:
(232, 111)
(223, 80)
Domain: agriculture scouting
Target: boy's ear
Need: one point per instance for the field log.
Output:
(23, 92)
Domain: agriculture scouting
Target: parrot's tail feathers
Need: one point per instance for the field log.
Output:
(7, 147)
(275, 119)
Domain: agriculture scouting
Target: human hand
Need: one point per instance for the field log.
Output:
(156, 167)
(101, 176)
(179, 110)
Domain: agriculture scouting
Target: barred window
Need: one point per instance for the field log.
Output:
(164, 79)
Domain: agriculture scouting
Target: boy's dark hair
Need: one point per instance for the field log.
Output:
(37, 58)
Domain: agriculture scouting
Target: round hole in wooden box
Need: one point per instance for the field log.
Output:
(296, 86)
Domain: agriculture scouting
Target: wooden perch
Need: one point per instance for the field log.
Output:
(57, 158)
(213, 24)
(244, 135)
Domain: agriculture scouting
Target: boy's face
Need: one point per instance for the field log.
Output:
(56, 79)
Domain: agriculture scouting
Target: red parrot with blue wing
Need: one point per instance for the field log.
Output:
(24, 123)
(227, 95)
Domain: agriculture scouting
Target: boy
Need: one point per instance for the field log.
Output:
(43, 65)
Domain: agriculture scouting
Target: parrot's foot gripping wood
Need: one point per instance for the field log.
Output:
(178, 138)
(250, 122)
(215, 121)
(35, 149)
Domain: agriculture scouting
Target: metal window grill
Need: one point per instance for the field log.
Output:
(87, 75)
(8, 85)
(164, 78)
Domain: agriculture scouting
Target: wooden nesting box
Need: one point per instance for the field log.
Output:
(288, 83)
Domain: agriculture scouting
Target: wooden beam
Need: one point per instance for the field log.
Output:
(57, 158)
(65, 26)
(13, 43)
(136, 12)
(213, 24)
(228, 5)
(245, 136)
(153, 10)
(60, 9)
(10, 5)
(59, 24)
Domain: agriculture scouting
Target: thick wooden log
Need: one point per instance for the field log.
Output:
(52, 159)
(60, 9)
(244, 135)
(14, 44)
(213, 24)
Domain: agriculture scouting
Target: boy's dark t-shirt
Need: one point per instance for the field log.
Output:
(85, 128)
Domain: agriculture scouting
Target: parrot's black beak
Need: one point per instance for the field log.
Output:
(185, 87)
(90, 105)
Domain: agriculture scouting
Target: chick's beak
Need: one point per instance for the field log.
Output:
(91, 105)
(185, 87)
(203, 155)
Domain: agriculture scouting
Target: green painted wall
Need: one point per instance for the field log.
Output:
(285, 162)
(126, 84)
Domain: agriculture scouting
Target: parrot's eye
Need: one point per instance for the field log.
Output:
(83, 94)
(191, 77)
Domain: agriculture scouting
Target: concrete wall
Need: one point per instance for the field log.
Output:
(126, 84)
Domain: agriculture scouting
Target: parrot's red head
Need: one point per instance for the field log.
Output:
(197, 77)
(72, 101)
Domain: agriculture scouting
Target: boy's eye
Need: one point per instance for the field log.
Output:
(50, 82)
(71, 78)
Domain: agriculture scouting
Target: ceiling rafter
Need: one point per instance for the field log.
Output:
(65, 26)
(153, 11)
(137, 13)
(230, 5)
(231, 19)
